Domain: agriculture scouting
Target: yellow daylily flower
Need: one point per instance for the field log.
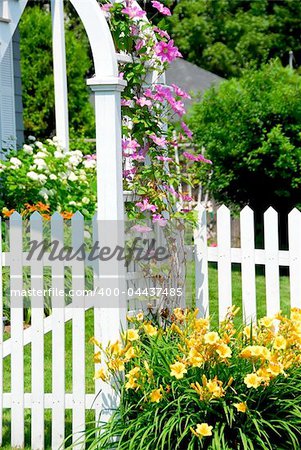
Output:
(140, 316)
(155, 396)
(241, 407)
(131, 383)
(130, 353)
(116, 364)
(252, 380)
(211, 338)
(116, 348)
(94, 341)
(202, 430)
(135, 372)
(132, 335)
(101, 374)
(178, 370)
(150, 330)
(279, 343)
(224, 351)
(267, 322)
(97, 357)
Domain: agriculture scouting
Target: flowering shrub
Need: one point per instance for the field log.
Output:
(185, 386)
(46, 173)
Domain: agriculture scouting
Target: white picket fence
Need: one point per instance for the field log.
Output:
(37, 400)
(79, 401)
(248, 257)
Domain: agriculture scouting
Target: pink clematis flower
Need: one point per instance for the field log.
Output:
(180, 92)
(134, 30)
(161, 8)
(166, 51)
(163, 93)
(90, 157)
(141, 228)
(130, 144)
(161, 33)
(148, 93)
(160, 141)
(157, 218)
(129, 174)
(186, 198)
(139, 44)
(172, 191)
(199, 158)
(137, 157)
(178, 107)
(146, 206)
(164, 158)
(187, 131)
(143, 101)
(133, 12)
(125, 102)
(106, 7)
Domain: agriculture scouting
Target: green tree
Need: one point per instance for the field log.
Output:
(250, 128)
(37, 75)
(225, 36)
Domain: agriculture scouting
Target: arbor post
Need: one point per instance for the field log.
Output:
(110, 282)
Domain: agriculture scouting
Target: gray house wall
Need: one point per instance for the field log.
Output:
(18, 89)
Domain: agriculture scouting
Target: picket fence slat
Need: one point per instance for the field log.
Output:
(1, 337)
(97, 313)
(271, 244)
(78, 334)
(294, 228)
(58, 338)
(201, 263)
(16, 317)
(37, 346)
(247, 237)
(224, 260)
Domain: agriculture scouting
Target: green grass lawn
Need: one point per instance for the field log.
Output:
(237, 291)
(213, 293)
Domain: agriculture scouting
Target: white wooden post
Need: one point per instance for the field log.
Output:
(16, 320)
(1, 337)
(248, 264)
(37, 345)
(58, 338)
(78, 334)
(201, 263)
(224, 261)
(60, 72)
(110, 310)
(271, 245)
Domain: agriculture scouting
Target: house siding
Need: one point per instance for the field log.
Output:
(18, 89)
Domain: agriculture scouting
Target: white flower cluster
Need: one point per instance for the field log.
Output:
(51, 168)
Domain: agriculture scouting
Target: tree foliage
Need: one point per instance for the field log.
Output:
(250, 128)
(37, 75)
(225, 36)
